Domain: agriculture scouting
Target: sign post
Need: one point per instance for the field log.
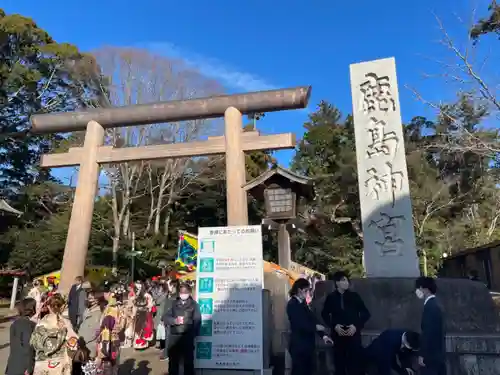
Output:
(229, 291)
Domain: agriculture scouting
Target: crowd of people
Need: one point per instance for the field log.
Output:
(344, 316)
(98, 325)
(163, 312)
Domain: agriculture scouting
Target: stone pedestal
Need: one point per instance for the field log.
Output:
(234, 372)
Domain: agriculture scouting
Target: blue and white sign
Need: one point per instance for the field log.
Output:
(229, 290)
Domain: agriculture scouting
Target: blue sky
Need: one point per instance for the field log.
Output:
(256, 44)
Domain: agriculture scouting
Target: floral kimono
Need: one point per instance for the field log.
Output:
(109, 339)
(140, 328)
(36, 294)
(54, 341)
(143, 321)
(128, 312)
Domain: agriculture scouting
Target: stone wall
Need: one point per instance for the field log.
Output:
(467, 305)
(467, 354)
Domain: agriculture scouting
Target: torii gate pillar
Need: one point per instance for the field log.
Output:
(236, 196)
(80, 224)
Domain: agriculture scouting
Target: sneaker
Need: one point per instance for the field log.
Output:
(163, 358)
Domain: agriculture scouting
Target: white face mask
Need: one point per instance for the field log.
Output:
(419, 294)
(343, 284)
(183, 296)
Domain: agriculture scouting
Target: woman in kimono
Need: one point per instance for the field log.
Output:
(160, 299)
(110, 332)
(54, 341)
(37, 294)
(128, 308)
(141, 329)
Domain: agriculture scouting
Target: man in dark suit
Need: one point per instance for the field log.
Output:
(393, 349)
(432, 358)
(345, 313)
(77, 303)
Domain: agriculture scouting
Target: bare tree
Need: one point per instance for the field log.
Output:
(136, 77)
(470, 67)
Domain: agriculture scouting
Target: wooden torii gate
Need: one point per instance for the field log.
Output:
(93, 153)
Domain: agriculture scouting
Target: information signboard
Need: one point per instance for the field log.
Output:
(229, 291)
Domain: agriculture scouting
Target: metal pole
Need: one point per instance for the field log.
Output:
(133, 256)
(132, 267)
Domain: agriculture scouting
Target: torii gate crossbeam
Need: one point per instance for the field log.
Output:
(233, 144)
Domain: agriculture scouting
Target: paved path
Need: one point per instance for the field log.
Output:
(133, 362)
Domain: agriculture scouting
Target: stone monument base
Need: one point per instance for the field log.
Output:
(233, 372)
(472, 319)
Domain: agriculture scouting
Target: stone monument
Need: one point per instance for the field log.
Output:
(384, 192)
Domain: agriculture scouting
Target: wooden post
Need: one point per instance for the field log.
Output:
(13, 297)
(75, 252)
(237, 206)
(284, 251)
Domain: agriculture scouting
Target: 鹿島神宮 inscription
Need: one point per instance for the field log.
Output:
(382, 142)
(389, 240)
(387, 181)
(388, 226)
(376, 94)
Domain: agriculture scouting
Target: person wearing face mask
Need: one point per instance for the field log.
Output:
(432, 356)
(184, 321)
(393, 349)
(303, 329)
(345, 313)
(172, 295)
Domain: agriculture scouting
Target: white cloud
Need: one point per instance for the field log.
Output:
(214, 68)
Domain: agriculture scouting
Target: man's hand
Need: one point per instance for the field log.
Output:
(421, 361)
(179, 320)
(340, 331)
(319, 327)
(351, 330)
(409, 371)
(327, 340)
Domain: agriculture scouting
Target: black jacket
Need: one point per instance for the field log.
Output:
(345, 309)
(190, 311)
(77, 302)
(302, 327)
(385, 351)
(432, 341)
(22, 355)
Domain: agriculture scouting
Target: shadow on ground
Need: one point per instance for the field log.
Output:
(129, 367)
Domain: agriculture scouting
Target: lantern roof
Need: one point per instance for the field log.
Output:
(4, 206)
(285, 178)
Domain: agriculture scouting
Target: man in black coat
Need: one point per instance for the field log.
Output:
(432, 358)
(77, 303)
(184, 321)
(346, 314)
(22, 356)
(393, 349)
(173, 294)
